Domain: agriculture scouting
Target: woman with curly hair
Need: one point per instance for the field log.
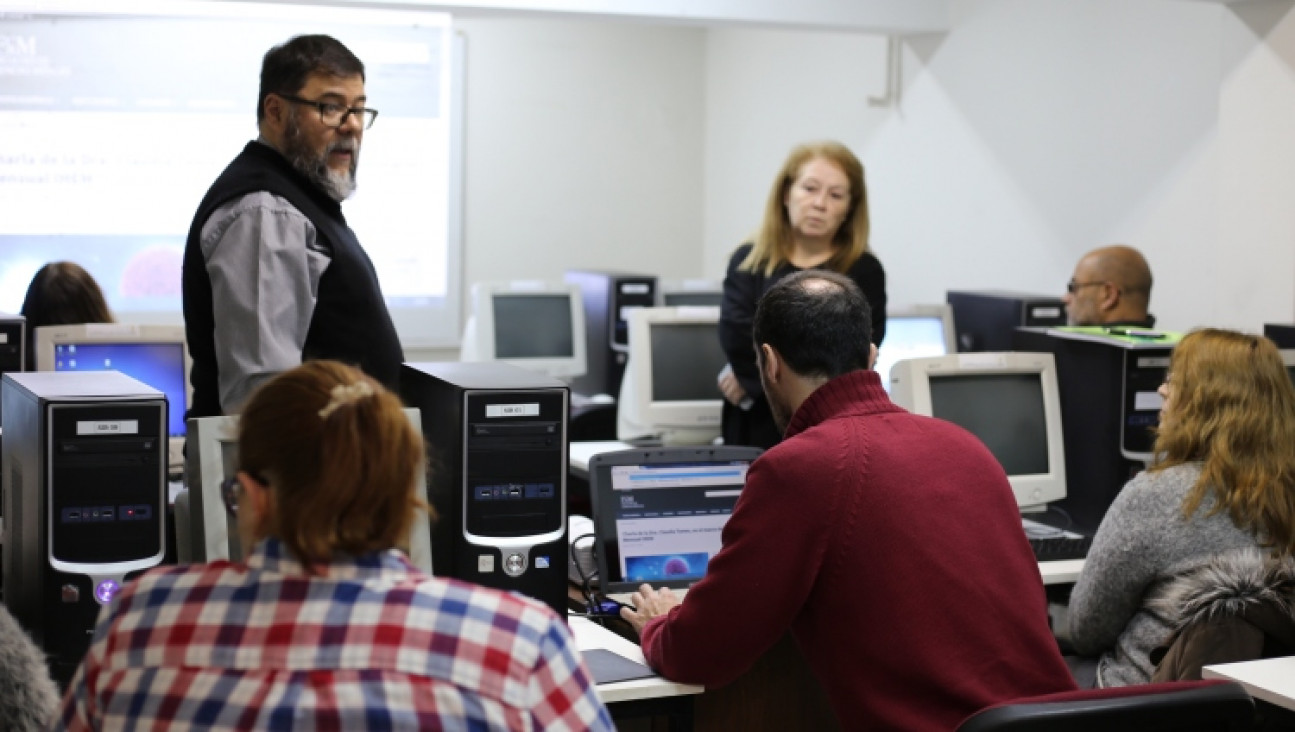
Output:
(1223, 479)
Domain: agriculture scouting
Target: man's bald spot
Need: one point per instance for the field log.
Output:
(1123, 266)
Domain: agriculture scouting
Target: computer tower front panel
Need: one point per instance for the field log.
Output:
(514, 511)
(85, 502)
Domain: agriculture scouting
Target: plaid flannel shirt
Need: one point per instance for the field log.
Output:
(373, 644)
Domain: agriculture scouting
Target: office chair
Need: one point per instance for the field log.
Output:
(1184, 706)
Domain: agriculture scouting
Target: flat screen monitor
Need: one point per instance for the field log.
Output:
(659, 512)
(205, 531)
(917, 331)
(685, 293)
(154, 354)
(1010, 401)
(538, 326)
(670, 392)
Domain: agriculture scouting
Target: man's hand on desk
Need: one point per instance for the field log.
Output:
(648, 603)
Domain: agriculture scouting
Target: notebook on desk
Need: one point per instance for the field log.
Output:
(658, 512)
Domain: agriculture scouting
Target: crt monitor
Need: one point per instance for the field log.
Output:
(1288, 358)
(204, 529)
(539, 326)
(702, 293)
(916, 331)
(154, 354)
(1008, 400)
(670, 392)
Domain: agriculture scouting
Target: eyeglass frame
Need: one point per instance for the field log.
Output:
(230, 489)
(359, 112)
(1072, 287)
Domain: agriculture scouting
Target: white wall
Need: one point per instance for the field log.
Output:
(583, 148)
(1031, 132)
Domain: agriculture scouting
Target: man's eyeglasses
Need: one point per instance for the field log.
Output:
(334, 114)
(1073, 286)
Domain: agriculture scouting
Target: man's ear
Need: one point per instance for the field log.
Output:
(1110, 296)
(771, 364)
(872, 357)
(276, 111)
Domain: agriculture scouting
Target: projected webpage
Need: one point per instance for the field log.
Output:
(112, 128)
(669, 517)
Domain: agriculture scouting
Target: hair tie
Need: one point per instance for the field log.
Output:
(343, 394)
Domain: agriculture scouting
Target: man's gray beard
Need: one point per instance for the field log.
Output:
(337, 186)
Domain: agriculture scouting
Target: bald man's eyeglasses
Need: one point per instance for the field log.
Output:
(1072, 287)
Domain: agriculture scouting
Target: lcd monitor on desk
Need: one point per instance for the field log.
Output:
(1008, 400)
(670, 393)
(917, 331)
(539, 326)
(154, 354)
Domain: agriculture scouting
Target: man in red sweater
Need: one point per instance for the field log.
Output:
(889, 544)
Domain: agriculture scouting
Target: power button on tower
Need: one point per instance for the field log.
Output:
(514, 565)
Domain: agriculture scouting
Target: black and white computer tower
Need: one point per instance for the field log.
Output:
(497, 437)
(1110, 409)
(606, 296)
(985, 319)
(84, 463)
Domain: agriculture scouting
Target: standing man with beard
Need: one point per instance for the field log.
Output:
(273, 276)
(888, 544)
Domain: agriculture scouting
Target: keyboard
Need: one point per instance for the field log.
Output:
(1062, 546)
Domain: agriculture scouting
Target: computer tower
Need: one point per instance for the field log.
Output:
(1109, 412)
(1283, 334)
(606, 296)
(984, 320)
(13, 344)
(498, 474)
(84, 478)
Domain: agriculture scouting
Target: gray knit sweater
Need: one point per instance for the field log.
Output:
(1143, 542)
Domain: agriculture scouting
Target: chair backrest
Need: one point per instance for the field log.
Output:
(1190, 706)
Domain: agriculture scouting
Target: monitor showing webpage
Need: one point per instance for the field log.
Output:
(668, 519)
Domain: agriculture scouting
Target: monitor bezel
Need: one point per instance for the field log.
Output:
(479, 334)
(636, 402)
(666, 288)
(911, 388)
(943, 311)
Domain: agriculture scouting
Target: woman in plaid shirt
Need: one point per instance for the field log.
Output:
(327, 625)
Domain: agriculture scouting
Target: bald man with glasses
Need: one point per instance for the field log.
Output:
(1111, 286)
(273, 275)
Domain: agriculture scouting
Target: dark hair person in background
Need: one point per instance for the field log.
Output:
(273, 276)
(816, 216)
(844, 530)
(1223, 479)
(61, 293)
(327, 625)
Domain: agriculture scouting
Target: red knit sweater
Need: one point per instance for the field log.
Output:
(891, 546)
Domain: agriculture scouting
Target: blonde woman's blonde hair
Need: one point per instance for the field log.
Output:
(773, 241)
(1232, 408)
